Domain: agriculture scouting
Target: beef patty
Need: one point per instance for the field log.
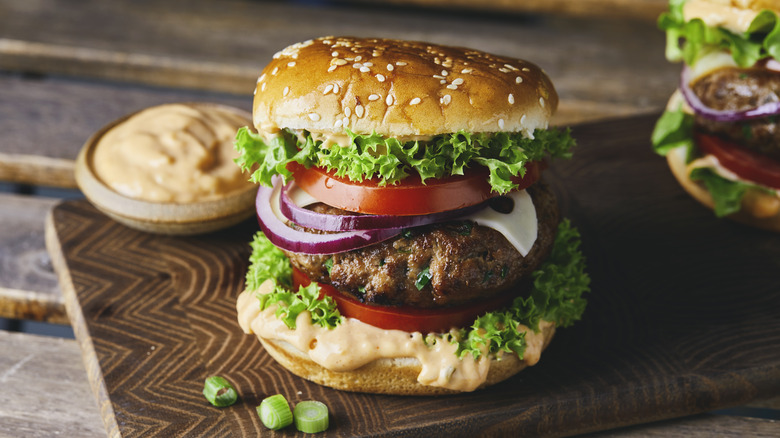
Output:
(460, 260)
(735, 89)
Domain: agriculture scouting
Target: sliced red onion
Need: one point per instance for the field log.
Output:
(331, 222)
(768, 109)
(276, 230)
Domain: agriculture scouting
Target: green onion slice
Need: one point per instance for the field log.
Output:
(219, 392)
(311, 416)
(274, 412)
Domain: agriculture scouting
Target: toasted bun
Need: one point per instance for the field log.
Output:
(758, 209)
(734, 15)
(399, 88)
(385, 376)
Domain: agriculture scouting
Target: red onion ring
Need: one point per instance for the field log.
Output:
(284, 237)
(703, 110)
(330, 222)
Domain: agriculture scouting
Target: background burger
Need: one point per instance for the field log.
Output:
(408, 245)
(720, 131)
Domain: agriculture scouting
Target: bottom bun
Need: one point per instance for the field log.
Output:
(388, 375)
(758, 209)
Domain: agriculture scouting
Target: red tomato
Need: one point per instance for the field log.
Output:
(745, 163)
(410, 319)
(409, 197)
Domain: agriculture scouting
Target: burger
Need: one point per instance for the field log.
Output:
(407, 244)
(720, 131)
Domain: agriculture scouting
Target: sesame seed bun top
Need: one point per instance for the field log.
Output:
(399, 88)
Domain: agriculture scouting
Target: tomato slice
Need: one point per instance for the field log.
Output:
(410, 196)
(747, 164)
(407, 318)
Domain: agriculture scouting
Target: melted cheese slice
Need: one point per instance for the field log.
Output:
(520, 226)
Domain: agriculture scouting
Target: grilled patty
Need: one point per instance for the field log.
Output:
(463, 261)
(736, 89)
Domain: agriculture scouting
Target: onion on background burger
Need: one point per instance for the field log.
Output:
(408, 245)
(720, 131)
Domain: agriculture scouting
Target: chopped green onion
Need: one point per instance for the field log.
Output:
(274, 412)
(423, 278)
(219, 392)
(311, 416)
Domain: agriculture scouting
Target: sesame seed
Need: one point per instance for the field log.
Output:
(334, 54)
(335, 88)
(262, 87)
(452, 87)
(466, 71)
(339, 61)
(511, 67)
(390, 67)
(522, 119)
(415, 101)
(511, 99)
(438, 76)
(501, 123)
(526, 69)
(285, 91)
(261, 78)
(518, 79)
(368, 64)
(329, 88)
(457, 81)
(444, 72)
(314, 117)
(275, 71)
(348, 112)
(338, 123)
(357, 65)
(380, 77)
(504, 70)
(358, 58)
(345, 122)
(332, 68)
(291, 64)
(389, 100)
(446, 99)
(374, 97)
(359, 110)
(443, 81)
(541, 101)
(365, 69)
(400, 63)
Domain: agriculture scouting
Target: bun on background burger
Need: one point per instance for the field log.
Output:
(720, 131)
(408, 245)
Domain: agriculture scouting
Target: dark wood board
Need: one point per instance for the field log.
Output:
(683, 317)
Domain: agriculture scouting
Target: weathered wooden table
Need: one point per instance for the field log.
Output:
(66, 69)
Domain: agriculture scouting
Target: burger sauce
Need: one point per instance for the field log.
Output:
(353, 344)
(172, 153)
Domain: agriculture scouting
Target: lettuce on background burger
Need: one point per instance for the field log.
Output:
(720, 130)
(408, 245)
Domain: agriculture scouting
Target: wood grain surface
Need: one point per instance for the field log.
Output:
(28, 284)
(43, 380)
(683, 318)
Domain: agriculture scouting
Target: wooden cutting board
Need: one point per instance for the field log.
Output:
(683, 317)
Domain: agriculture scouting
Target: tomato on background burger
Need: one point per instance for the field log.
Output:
(408, 244)
(720, 131)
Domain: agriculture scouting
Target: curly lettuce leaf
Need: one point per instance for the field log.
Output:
(556, 296)
(267, 262)
(688, 40)
(673, 129)
(390, 161)
(726, 194)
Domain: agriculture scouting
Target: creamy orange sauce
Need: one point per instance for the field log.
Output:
(734, 15)
(172, 153)
(353, 344)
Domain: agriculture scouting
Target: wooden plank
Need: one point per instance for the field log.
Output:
(614, 63)
(45, 121)
(664, 334)
(28, 285)
(45, 389)
(641, 9)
